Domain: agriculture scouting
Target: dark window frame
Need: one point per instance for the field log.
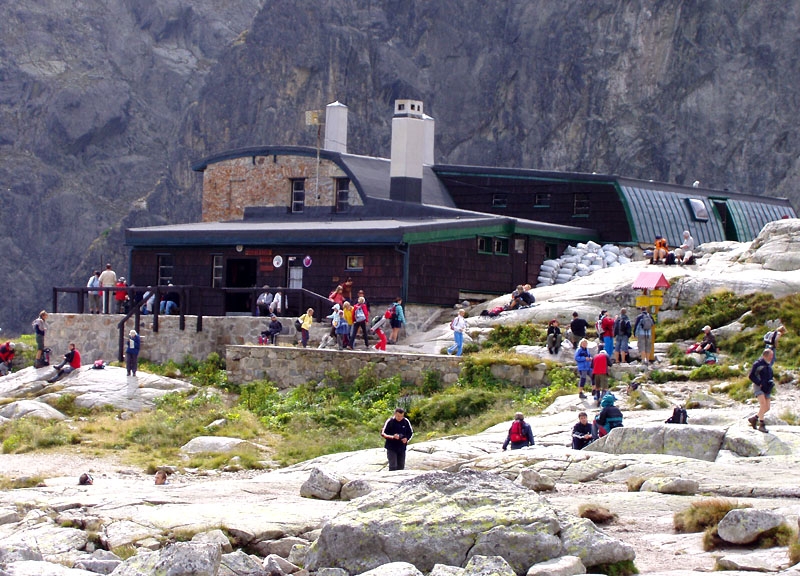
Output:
(581, 205)
(298, 195)
(166, 268)
(500, 200)
(542, 199)
(342, 195)
(698, 209)
(354, 262)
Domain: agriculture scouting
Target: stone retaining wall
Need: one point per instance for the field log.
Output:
(288, 367)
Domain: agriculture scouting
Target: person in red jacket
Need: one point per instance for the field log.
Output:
(607, 324)
(6, 357)
(121, 295)
(600, 374)
(72, 361)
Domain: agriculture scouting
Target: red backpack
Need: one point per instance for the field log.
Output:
(517, 433)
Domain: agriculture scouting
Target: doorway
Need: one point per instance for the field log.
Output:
(240, 273)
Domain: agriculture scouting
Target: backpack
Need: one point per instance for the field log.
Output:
(679, 416)
(391, 313)
(769, 338)
(517, 432)
(453, 324)
(599, 326)
(360, 316)
(617, 326)
(646, 321)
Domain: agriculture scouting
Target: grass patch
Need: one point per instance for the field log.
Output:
(26, 434)
(662, 376)
(622, 568)
(704, 514)
(741, 389)
(794, 553)
(713, 372)
(504, 337)
(125, 551)
(7, 483)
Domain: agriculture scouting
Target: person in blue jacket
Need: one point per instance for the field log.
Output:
(584, 360)
(132, 352)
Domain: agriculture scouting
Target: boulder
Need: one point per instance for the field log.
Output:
(564, 566)
(745, 525)
(532, 480)
(320, 485)
(34, 568)
(179, 559)
(444, 518)
(445, 570)
(581, 538)
(30, 409)
(699, 442)
(355, 488)
(488, 566)
(216, 536)
(274, 564)
(99, 561)
(214, 444)
(282, 547)
(393, 569)
(670, 485)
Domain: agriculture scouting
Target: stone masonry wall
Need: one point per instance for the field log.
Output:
(232, 185)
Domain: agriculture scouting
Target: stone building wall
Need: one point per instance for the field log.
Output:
(230, 186)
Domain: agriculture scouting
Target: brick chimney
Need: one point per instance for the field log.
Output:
(408, 151)
(336, 127)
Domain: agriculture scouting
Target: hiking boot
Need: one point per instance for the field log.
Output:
(753, 421)
(761, 427)
(582, 396)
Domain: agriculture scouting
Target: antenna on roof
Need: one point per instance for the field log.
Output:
(314, 118)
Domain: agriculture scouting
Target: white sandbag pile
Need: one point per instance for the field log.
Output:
(582, 260)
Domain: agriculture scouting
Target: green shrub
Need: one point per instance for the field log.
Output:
(506, 337)
(28, 434)
(713, 372)
(452, 405)
(662, 376)
(431, 382)
(621, 568)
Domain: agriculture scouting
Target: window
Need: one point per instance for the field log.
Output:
(550, 251)
(698, 208)
(298, 195)
(499, 200)
(165, 267)
(216, 270)
(490, 245)
(541, 200)
(580, 206)
(355, 263)
(342, 194)
(501, 246)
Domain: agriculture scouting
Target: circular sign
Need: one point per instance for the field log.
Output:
(307, 261)
(277, 261)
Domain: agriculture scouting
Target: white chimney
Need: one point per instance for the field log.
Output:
(336, 127)
(408, 151)
(430, 132)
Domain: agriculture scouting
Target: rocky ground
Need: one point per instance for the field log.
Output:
(718, 454)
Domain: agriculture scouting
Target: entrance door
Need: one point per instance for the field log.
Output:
(726, 220)
(239, 273)
(295, 272)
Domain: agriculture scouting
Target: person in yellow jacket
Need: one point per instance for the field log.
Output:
(305, 325)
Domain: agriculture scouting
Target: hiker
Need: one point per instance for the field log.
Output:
(577, 329)
(458, 325)
(520, 434)
(583, 358)
(553, 337)
(132, 352)
(643, 328)
(771, 340)
(622, 332)
(270, 335)
(600, 373)
(581, 432)
(610, 417)
(72, 361)
(397, 431)
(761, 377)
(40, 328)
(7, 352)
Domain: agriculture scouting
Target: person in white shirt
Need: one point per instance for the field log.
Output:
(458, 325)
(686, 249)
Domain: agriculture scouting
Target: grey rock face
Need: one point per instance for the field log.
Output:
(564, 566)
(670, 485)
(393, 569)
(355, 488)
(443, 518)
(698, 442)
(488, 566)
(180, 559)
(213, 444)
(744, 525)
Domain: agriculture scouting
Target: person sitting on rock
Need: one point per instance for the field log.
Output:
(660, 250)
(520, 434)
(708, 345)
(6, 357)
(275, 327)
(581, 432)
(610, 417)
(72, 361)
(553, 337)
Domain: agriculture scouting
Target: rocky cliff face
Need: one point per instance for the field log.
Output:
(103, 106)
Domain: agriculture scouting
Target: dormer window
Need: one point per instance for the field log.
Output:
(342, 194)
